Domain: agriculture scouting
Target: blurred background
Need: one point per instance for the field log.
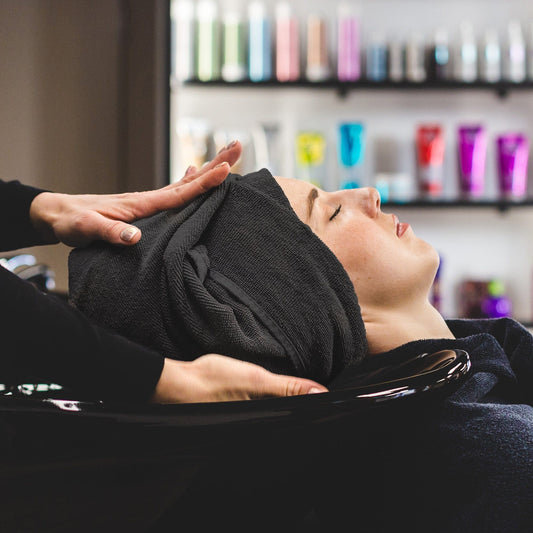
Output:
(114, 95)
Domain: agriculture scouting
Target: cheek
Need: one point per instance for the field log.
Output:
(384, 269)
(359, 255)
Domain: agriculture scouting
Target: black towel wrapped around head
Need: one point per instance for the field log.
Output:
(235, 272)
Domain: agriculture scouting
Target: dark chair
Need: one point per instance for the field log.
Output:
(72, 463)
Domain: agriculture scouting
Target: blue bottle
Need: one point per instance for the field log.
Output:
(351, 154)
(376, 59)
(259, 43)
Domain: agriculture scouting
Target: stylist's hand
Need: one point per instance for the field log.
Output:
(217, 378)
(77, 220)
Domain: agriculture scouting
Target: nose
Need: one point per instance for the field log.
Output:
(370, 201)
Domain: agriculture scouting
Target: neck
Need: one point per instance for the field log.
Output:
(394, 327)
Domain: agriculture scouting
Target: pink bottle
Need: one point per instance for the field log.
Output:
(348, 45)
(287, 44)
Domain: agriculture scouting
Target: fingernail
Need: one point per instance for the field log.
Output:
(231, 145)
(223, 149)
(189, 170)
(128, 233)
(221, 165)
(314, 390)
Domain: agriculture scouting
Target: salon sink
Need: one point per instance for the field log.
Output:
(70, 463)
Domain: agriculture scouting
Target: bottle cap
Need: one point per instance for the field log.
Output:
(496, 288)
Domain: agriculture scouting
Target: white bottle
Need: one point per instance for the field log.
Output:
(182, 44)
(515, 54)
(415, 69)
(466, 59)
(396, 60)
(490, 57)
(530, 54)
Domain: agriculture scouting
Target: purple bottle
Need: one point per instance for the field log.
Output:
(348, 45)
(496, 304)
(513, 155)
(472, 148)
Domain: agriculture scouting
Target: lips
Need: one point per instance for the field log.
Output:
(401, 227)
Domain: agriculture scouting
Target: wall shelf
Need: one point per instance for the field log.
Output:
(502, 88)
(500, 205)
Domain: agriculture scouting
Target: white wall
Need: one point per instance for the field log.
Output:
(474, 243)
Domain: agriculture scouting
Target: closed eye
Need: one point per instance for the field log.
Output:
(337, 211)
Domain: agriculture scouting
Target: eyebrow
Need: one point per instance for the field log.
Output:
(313, 195)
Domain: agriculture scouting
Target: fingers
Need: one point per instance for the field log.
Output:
(229, 154)
(279, 385)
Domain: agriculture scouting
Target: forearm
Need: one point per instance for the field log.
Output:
(45, 338)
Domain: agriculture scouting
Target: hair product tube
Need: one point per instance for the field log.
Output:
(513, 154)
(430, 158)
(351, 154)
(472, 155)
(311, 156)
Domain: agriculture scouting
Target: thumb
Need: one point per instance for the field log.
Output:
(112, 231)
(278, 385)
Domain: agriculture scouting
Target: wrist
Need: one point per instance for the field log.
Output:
(173, 384)
(43, 213)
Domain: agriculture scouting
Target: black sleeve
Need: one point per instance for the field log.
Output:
(44, 337)
(16, 230)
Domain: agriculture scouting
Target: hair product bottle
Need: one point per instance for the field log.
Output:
(259, 43)
(317, 49)
(415, 59)
(287, 44)
(439, 58)
(396, 60)
(490, 59)
(208, 41)
(466, 59)
(529, 46)
(515, 54)
(376, 58)
(234, 48)
(348, 43)
(183, 36)
(496, 304)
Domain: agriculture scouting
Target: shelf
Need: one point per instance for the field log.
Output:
(500, 205)
(502, 88)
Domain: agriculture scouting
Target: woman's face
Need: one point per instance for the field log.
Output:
(387, 263)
